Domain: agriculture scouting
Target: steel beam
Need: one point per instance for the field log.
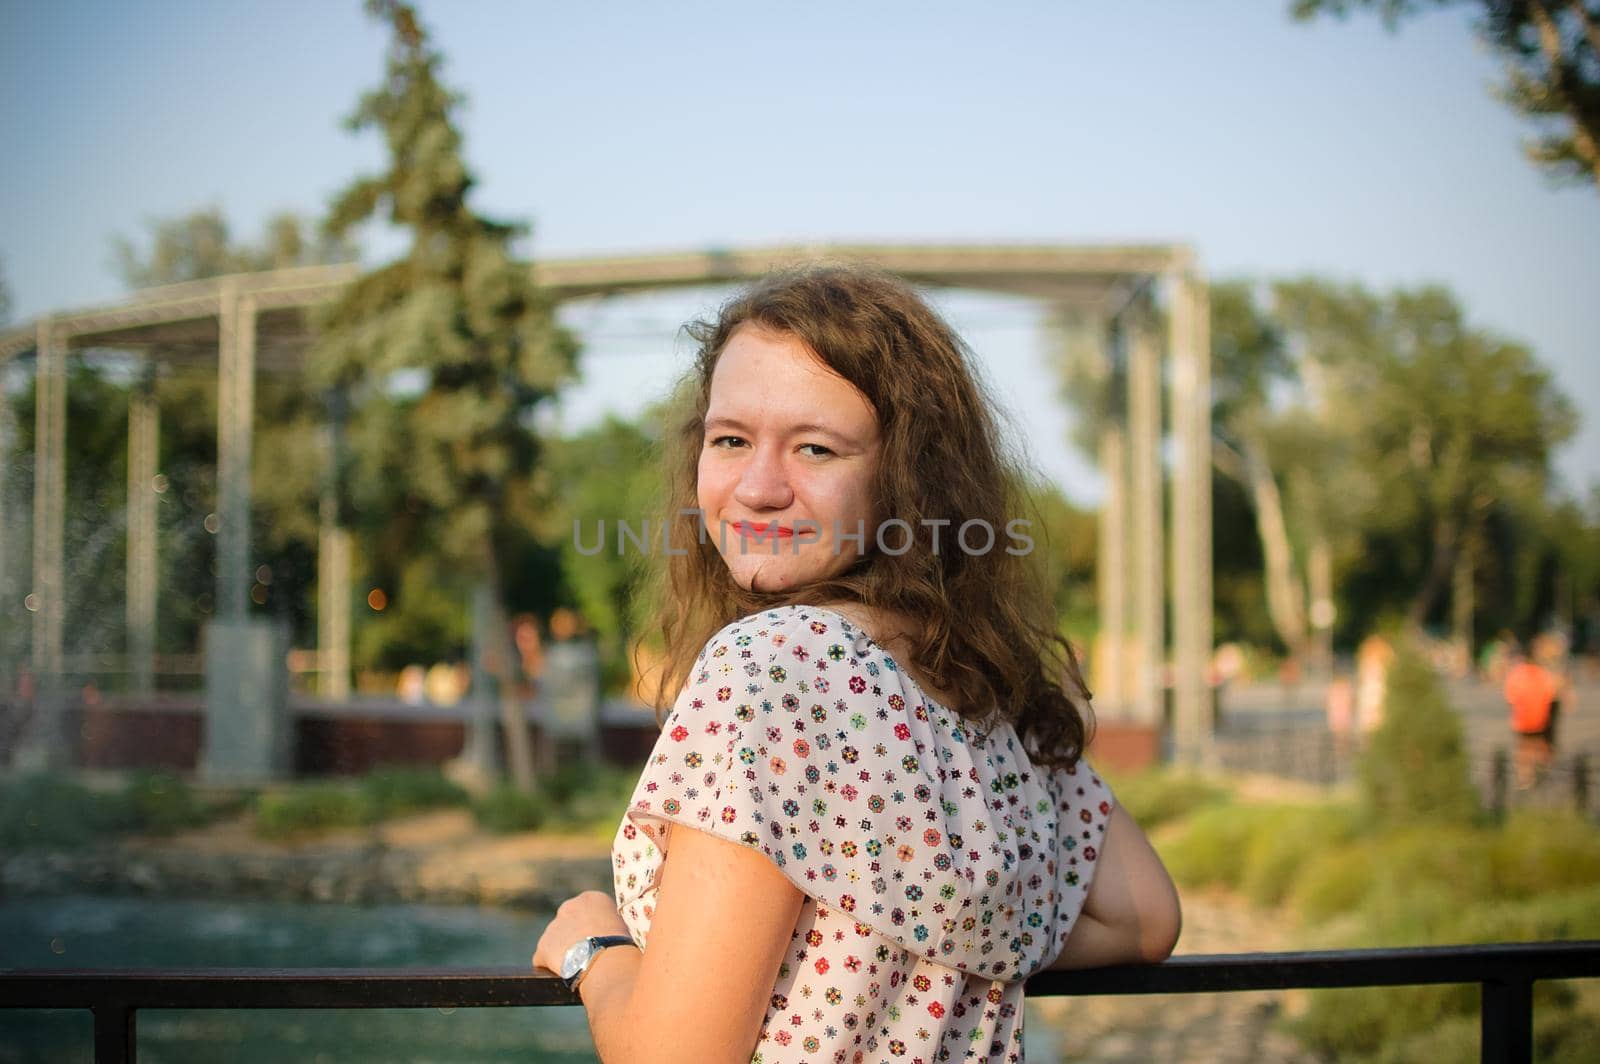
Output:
(46, 743)
(1190, 399)
(235, 422)
(333, 600)
(1146, 533)
(144, 427)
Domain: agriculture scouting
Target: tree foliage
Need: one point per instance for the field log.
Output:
(1384, 433)
(457, 313)
(200, 244)
(1551, 50)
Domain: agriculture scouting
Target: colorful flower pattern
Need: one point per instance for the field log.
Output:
(940, 868)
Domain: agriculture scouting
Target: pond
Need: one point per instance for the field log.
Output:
(120, 932)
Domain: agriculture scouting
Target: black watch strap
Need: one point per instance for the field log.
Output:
(597, 944)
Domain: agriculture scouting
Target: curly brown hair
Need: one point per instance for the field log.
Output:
(988, 631)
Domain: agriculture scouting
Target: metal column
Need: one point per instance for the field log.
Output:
(1191, 514)
(236, 363)
(1144, 430)
(333, 604)
(46, 743)
(1110, 674)
(140, 601)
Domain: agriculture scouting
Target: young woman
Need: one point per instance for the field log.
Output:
(867, 819)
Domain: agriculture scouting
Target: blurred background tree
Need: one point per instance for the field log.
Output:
(463, 320)
(1551, 50)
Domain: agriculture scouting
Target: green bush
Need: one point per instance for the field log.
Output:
(1537, 852)
(49, 812)
(1361, 1024)
(309, 808)
(1415, 765)
(579, 797)
(505, 810)
(1333, 883)
(160, 804)
(1284, 840)
(395, 791)
(1210, 848)
(1159, 796)
(1571, 914)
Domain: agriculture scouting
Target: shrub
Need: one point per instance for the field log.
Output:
(505, 810)
(1157, 796)
(1333, 883)
(1415, 765)
(1537, 852)
(397, 790)
(308, 808)
(50, 812)
(1282, 843)
(1209, 849)
(160, 803)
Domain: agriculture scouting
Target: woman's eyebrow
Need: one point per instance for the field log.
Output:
(805, 428)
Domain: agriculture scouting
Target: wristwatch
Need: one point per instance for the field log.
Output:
(582, 954)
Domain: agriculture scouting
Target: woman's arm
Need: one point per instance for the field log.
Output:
(723, 921)
(1131, 914)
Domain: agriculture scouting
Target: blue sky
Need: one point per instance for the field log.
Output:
(1274, 148)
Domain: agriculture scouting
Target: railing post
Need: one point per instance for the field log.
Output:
(1498, 780)
(1507, 1018)
(1580, 783)
(115, 1033)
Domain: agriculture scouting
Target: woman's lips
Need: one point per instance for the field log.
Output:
(761, 529)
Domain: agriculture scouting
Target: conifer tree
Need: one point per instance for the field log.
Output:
(1415, 766)
(460, 314)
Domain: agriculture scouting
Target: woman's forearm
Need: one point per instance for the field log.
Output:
(605, 991)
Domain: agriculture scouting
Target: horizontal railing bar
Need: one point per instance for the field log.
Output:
(281, 988)
(1411, 966)
(347, 988)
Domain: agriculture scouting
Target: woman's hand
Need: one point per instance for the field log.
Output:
(593, 912)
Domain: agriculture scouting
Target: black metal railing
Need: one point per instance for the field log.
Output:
(115, 996)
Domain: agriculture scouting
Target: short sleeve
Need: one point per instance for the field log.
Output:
(786, 739)
(1083, 804)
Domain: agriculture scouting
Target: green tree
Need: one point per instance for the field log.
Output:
(1415, 767)
(1551, 50)
(461, 314)
(1442, 420)
(605, 585)
(200, 244)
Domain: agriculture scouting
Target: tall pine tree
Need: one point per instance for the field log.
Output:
(459, 313)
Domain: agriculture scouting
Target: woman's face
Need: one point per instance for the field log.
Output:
(787, 463)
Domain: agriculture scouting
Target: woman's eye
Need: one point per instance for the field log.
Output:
(816, 450)
(726, 441)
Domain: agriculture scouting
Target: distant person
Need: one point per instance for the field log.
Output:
(530, 651)
(1374, 657)
(867, 819)
(570, 682)
(1531, 691)
(412, 686)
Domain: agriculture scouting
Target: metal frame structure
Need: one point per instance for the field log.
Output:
(1145, 300)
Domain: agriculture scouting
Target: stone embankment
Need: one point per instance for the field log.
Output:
(439, 858)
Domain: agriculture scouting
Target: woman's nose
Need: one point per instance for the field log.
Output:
(764, 483)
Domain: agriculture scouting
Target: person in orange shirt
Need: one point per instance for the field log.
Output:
(1531, 691)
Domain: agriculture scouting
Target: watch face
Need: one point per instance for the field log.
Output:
(576, 958)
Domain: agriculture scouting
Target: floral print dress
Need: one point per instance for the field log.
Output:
(940, 868)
